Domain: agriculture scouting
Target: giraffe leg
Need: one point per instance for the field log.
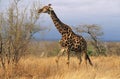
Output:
(79, 57)
(68, 59)
(86, 57)
(59, 55)
(89, 60)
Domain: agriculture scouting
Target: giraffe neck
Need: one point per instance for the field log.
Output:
(61, 27)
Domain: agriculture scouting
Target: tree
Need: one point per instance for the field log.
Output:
(94, 32)
(17, 27)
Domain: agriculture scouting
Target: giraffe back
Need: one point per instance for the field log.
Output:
(73, 42)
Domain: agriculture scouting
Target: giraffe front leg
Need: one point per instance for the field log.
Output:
(59, 55)
(68, 59)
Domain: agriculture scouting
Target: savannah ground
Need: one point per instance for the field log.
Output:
(35, 66)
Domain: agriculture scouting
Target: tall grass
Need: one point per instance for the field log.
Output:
(32, 67)
(36, 65)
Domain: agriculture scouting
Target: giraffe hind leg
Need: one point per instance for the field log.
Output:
(79, 57)
(86, 57)
(90, 62)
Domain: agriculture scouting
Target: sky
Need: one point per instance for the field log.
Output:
(105, 13)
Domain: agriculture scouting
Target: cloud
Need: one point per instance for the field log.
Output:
(5, 4)
(90, 7)
(83, 7)
(103, 12)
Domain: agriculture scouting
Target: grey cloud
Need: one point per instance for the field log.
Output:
(89, 6)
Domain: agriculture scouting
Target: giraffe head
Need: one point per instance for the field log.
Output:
(45, 9)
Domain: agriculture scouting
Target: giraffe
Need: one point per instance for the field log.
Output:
(69, 41)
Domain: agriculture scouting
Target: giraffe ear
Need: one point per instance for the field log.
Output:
(49, 5)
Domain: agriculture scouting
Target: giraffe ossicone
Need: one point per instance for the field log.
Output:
(69, 41)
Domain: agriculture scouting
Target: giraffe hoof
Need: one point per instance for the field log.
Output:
(79, 63)
(67, 63)
(56, 61)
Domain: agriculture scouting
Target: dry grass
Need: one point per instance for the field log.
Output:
(46, 68)
(35, 66)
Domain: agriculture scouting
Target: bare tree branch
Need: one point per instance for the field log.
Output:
(94, 31)
(16, 32)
